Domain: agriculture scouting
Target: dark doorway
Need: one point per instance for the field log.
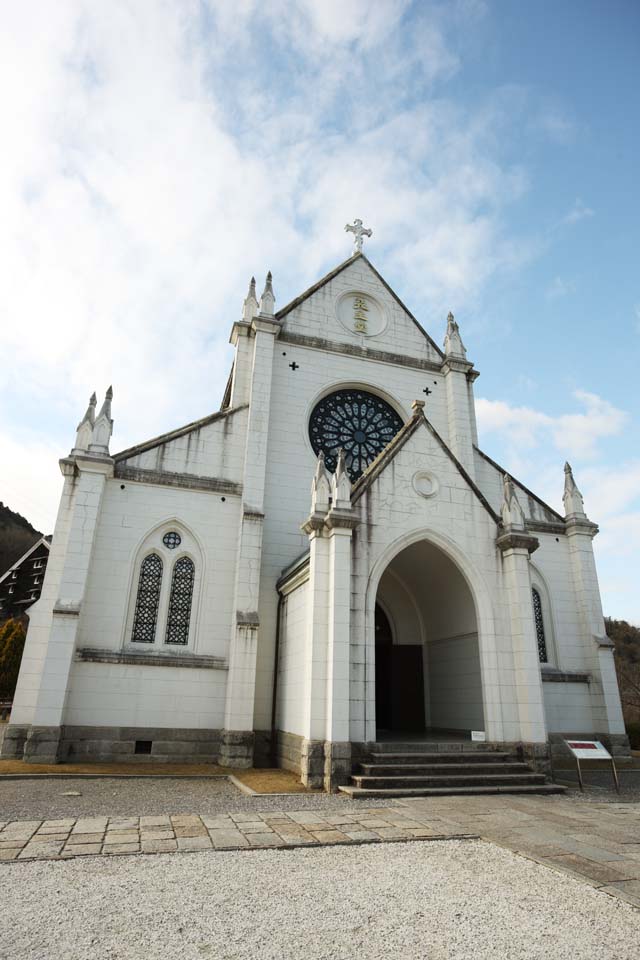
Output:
(399, 681)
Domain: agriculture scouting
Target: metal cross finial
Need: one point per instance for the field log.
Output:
(359, 232)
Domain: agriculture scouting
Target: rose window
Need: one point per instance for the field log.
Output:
(359, 422)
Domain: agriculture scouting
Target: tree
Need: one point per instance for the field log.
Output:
(12, 639)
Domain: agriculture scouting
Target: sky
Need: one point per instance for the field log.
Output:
(156, 154)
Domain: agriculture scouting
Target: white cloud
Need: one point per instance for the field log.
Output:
(579, 211)
(555, 125)
(155, 156)
(31, 479)
(558, 288)
(572, 434)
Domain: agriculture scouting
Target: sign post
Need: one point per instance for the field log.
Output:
(591, 750)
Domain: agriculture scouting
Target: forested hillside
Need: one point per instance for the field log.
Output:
(626, 638)
(16, 536)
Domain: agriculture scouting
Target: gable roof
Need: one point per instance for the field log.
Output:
(281, 314)
(384, 458)
(175, 434)
(43, 541)
(502, 472)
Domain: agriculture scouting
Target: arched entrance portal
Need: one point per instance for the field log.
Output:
(428, 676)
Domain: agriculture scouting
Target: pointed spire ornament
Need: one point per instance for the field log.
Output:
(320, 487)
(512, 512)
(84, 429)
(453, 345)
(341, 485)
(250, 305)
(267, 300)
(572, 498)
(102, 428)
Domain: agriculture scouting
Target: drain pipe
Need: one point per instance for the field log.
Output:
(274, 693)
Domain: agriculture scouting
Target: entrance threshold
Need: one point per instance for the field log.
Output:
(423, 736)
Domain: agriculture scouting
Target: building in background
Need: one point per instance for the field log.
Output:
(21, 585)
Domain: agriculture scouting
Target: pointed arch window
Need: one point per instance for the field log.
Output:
(147, 600)
(537, 613)
(180, 602)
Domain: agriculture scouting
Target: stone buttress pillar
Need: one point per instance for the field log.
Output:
(515, 545)
(44, 678)
(237, 736)
(241, 340)
(339, 524)
(459, 375)
(604, 691)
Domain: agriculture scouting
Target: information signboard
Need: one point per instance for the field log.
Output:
(588, 749)
(591, 750)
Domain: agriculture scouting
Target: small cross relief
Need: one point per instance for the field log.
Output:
(294, 365)
(427, 392)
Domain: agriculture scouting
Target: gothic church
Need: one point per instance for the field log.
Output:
(328, 562)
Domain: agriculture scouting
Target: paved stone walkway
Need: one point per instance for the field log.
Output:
(105, 836)
(597, 842)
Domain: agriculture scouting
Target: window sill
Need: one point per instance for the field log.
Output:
(133, 657)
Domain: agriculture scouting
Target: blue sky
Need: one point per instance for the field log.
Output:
(156, 154)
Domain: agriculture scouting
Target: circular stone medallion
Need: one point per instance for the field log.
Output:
(425, 484)
(361, 313)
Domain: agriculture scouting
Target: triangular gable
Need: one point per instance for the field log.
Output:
(174, 434)
(25, 556)
(553, 515)
(294, 304)
(382, 461)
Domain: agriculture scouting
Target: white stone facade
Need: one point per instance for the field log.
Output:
(276, 660)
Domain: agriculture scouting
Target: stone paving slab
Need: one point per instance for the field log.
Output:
(597, 842)
(46, 839)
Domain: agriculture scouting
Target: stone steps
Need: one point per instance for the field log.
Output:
(439, 759)
(437, 769)
(422, 771)
(358, 793)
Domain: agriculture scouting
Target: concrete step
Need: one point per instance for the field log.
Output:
(460, 756)
(465, 780)
(432, 769)
(360, 793)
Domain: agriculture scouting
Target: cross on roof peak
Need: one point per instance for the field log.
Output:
(358, 232)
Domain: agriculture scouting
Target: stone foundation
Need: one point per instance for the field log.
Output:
(288, 751)
(262, 755)
(111, 744)
(236, 748)
(322, 765)
(337, 765)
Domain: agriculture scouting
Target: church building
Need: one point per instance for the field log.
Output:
(327, 563)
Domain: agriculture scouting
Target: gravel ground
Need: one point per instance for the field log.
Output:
(45, 799)
(599, 785)
(448, 900)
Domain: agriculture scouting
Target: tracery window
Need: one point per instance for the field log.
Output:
(172, 540)
(359, 422)
(147, 600)
(537, 613)
(180, 601)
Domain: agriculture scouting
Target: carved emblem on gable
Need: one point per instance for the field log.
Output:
(361, 314)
